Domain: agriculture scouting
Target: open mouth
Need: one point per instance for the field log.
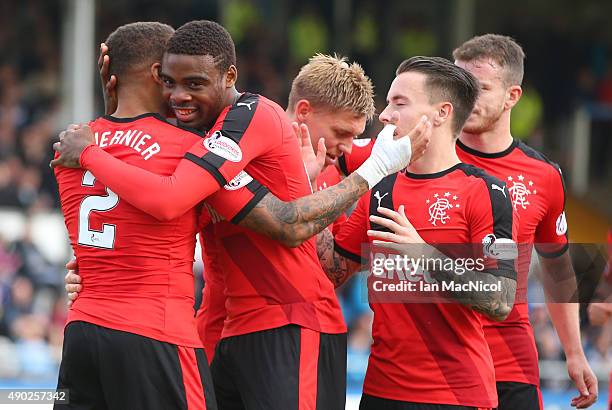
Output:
(185, 114)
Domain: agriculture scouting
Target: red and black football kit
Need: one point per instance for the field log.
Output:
(432, 354)
(537, 191)
(137, 302)
(268, 287)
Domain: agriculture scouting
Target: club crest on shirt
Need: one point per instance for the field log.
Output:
(223, 146)
(520, 189)
(439, 207)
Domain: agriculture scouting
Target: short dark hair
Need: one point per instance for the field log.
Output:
(204, 37)
(136, 45)
(504, 50)
(446, 82)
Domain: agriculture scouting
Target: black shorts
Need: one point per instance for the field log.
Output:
(108, 369)
(514, 395)
(377, 403)
(287, 368)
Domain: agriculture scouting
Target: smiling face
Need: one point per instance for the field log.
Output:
(195, 88)
(493, 96)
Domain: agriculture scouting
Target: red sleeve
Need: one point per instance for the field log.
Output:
(551, 238)
(338, 224)
(237, 198)
(211, 315)
(492, 220)
(360, 151)
(245, 131)
(164, 197)
(354, 232)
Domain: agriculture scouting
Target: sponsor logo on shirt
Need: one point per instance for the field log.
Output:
(248, 105)
(223, 146)
(499, 188)
(379, 197)
(561, 225)
(240, 180)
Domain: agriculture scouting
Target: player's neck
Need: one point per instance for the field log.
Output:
(134, 101)
(232, 96)
(440, 156)
(492, 141)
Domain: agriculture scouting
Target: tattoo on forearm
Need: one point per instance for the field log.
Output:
(294, 222)
(494, 304)
(337, 268)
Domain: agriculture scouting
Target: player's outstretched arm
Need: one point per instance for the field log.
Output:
(493, 304)
(164, 197)
(294, 222)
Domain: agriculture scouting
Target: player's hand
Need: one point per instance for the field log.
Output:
(391, 154)
(419, 141)
(71, 144)
(599, 313)
(72, 281)
(109, 82)
(584, 379)
(314, 163)
(402, 230)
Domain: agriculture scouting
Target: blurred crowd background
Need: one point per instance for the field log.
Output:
(566, 112)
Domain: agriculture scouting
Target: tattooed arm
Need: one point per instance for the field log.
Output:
(337, 267)
(294, 222)
(495, 304)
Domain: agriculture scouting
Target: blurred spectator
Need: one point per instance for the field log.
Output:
(34, 264)
(547, 342)
(19, 302)
(34, 353)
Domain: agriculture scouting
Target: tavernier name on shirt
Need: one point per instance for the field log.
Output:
(135, 139)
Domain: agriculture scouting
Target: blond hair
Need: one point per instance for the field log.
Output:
(330, 82)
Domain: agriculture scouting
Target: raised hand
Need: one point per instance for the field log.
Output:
(72, 143)
(314, 163)
(109, 82)
(391, 154)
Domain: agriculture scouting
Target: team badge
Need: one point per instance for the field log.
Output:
(439, 207)
(520, 191)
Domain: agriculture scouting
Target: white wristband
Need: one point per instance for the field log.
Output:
(388, 157)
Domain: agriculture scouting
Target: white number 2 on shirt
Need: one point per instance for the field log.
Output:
(106, 237)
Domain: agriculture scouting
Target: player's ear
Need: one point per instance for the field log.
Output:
(302, 110)
(513, 95)
(231, 76)
(155, 72)
(442, 114)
